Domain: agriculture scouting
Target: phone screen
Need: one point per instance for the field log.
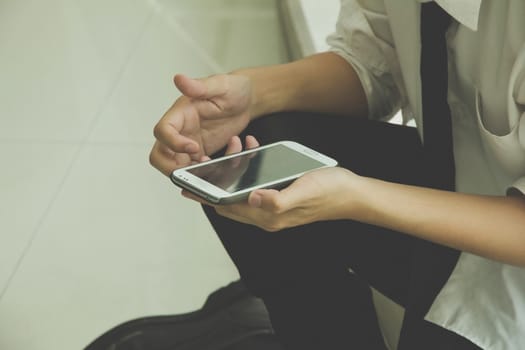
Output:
(255, 168)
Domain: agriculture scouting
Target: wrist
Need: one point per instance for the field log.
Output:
(345, 195)
(270, 89)
(256, 108)
(359, 191)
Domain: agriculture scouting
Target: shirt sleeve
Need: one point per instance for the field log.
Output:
(363, 38)
(518, 187)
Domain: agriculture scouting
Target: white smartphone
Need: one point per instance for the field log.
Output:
(231, 178)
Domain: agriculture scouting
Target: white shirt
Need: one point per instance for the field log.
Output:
(483, 300)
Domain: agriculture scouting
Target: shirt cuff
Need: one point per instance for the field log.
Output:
(518, 188)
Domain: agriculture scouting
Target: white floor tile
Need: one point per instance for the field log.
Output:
(113, 239)
(59, 62)
(119, 243)
(146, 89)
(171, 45)
(30, 178)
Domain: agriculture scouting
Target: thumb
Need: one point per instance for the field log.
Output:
(264, 198)
(272, 200)
(202, 89)
(279, 201)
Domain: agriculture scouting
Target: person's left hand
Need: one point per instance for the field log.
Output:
(325, 194)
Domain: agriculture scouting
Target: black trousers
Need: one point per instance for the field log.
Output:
(302, 273)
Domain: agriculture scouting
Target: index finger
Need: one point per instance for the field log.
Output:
(165, 160)
(169, 135)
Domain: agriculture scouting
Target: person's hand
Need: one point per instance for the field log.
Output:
(225, 173)
(326, 194)
(202, 121)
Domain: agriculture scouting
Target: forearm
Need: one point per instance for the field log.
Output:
(323, 83)
(493, 227)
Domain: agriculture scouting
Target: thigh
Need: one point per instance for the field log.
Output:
(380, 256)
(369, 148)
(315, 253)
(408, 270)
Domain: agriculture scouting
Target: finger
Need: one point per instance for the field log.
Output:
(266, 199)
(279, 201)
(201, 89)
(169, 135)
(194, 197)
(234, 214)
(156, 159)
(251, 142)
(234, 146)
(166, 160)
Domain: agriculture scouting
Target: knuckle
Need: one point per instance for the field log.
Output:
(152, 158)
(158, 131)
(155, 155)
(277, 206)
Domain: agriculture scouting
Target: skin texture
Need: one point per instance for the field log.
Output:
(212, 111)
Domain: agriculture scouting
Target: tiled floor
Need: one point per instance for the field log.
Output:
(90, 234)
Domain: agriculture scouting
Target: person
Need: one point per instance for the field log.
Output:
(451, 250)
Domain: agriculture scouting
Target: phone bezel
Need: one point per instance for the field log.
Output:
(202, 188)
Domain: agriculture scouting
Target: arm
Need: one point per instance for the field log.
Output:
(214, 109)
(355, 79)
(323, 83)
(493, 227)
(360, 76)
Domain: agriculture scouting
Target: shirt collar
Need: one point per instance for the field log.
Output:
(465, 12)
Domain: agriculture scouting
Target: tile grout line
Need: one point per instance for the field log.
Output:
(185, 36)
(80, 146)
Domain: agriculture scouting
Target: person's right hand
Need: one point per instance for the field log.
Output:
(202, 121)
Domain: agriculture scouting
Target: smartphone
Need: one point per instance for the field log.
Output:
(231, 178)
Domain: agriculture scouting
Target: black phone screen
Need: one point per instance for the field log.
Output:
(255, 168)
